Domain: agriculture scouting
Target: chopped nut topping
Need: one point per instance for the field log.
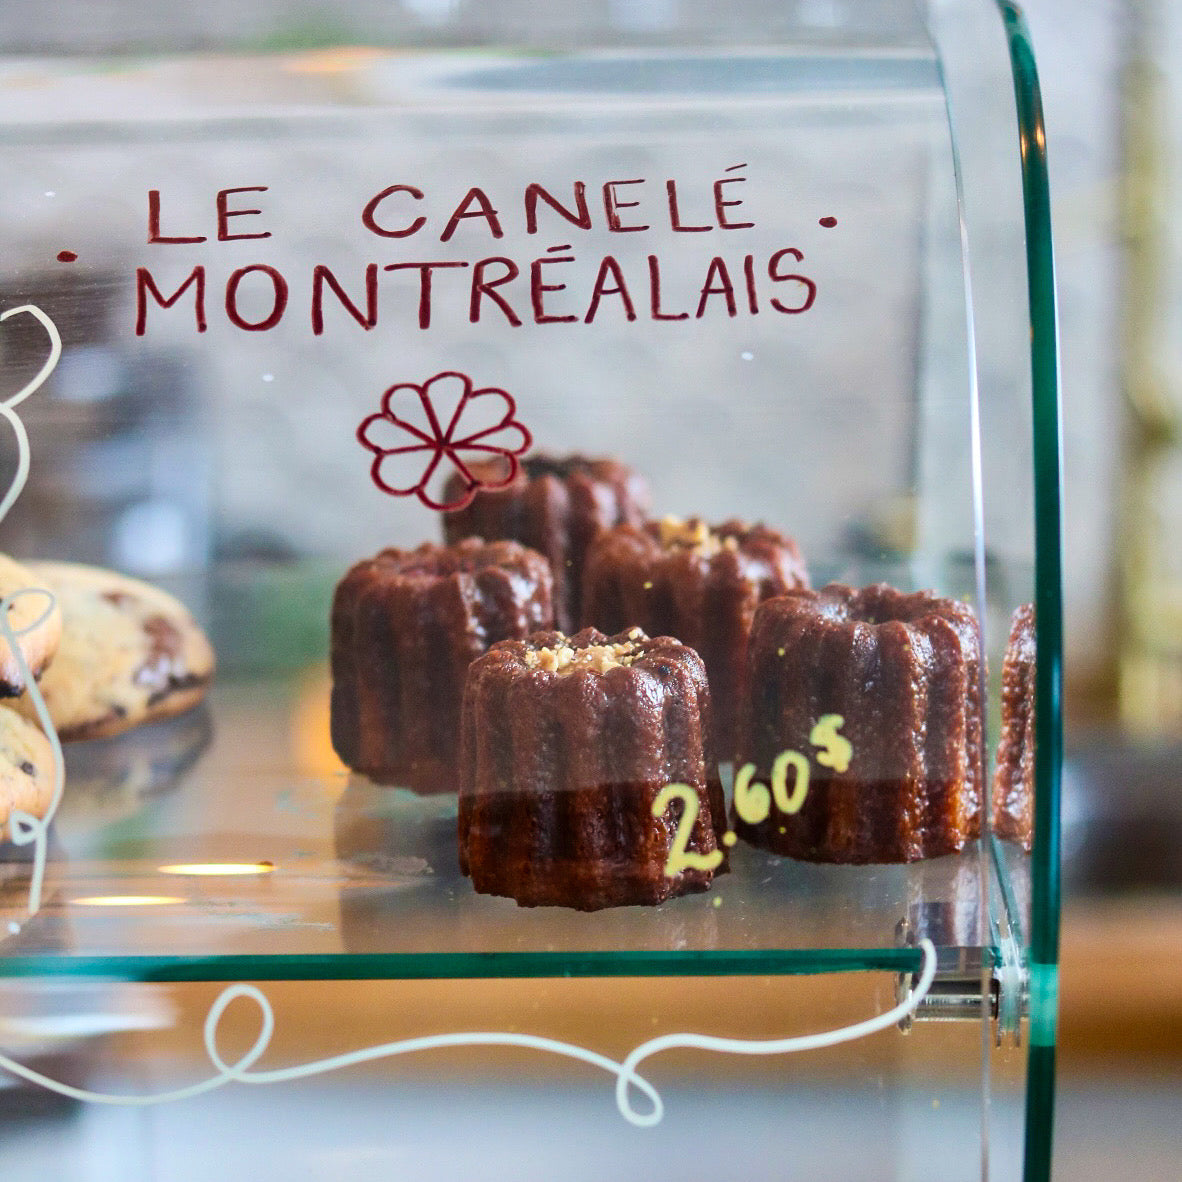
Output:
(596, 657)
(693, 534)
(550, 660)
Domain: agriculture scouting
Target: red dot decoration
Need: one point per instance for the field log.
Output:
(66, 256)
(828, 222)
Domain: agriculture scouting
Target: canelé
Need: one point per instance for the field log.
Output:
(557, 506)
(697, 582)
(880, 693)
(406, 625)
(568, 744)
(1013, 777)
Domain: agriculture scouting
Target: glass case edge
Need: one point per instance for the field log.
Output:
(1044, 361)
(479, 966)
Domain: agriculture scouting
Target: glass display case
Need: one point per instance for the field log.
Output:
(730, 337)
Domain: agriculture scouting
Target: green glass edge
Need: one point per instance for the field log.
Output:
(1044, 1004)
(470, 965)
(1005, 889)
(1048, 600)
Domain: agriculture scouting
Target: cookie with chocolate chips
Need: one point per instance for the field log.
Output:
(36, 624)
(26, 770)
(129, 653)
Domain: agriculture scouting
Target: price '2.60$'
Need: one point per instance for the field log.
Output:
(753, 799)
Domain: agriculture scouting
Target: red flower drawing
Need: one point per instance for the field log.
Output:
(419, 425)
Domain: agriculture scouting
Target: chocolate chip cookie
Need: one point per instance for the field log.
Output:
(129, 653)
(26, 770)
(36, 623)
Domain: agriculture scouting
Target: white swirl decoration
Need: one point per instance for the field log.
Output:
(627, 1078)
(27, 829)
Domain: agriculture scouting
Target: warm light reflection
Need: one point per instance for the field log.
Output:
(336, 60)
(218, 869)
(311, 733)
(127, 901)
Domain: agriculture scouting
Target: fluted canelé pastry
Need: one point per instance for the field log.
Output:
(1013, 777)
(567, 743)
(697, 582)
(405, 627)
(557, 506)
(903, 674)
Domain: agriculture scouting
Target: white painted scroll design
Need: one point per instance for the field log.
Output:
(25, 828)
(626, 1074)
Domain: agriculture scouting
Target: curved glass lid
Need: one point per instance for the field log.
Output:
(319, 301)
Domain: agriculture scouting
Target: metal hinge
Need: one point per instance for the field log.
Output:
(971, 985)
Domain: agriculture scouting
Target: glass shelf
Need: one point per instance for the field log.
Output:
(212, 847)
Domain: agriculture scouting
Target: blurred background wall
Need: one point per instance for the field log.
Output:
(1112, 80)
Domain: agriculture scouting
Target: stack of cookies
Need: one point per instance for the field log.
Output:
(107, 652)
